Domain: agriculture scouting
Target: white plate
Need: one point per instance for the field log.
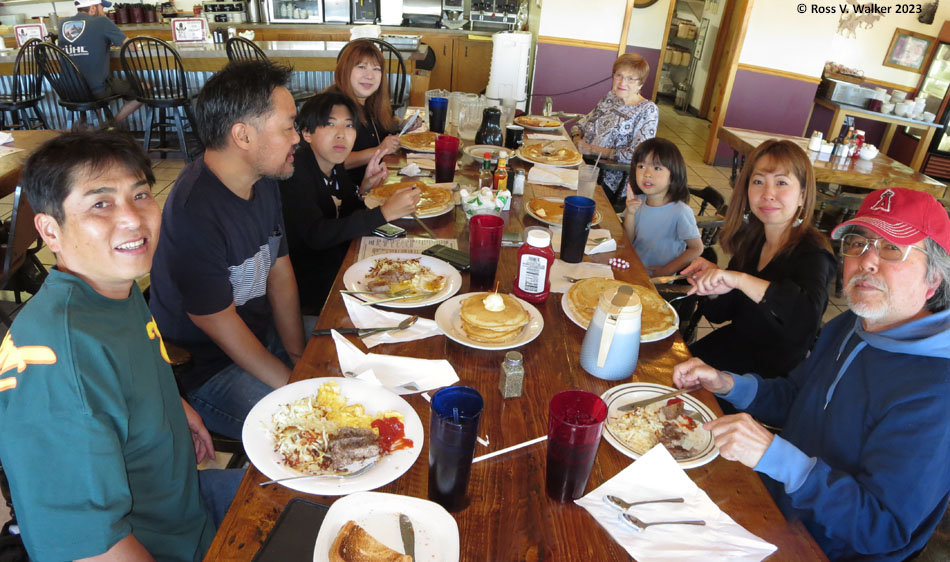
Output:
(635, 391)
(529, 160)
(527, 208)
(535, 127)
(568, 309)
(448, 320)
(372, 202)
(259, 443)
(477, 152)
(354, 279)
(437, 533)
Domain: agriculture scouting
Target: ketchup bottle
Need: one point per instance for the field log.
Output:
(535, 259)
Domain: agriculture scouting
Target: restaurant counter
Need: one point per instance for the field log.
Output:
(313, 63)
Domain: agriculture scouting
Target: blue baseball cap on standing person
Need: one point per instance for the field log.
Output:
(88, 3)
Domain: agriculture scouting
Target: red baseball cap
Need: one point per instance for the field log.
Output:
(902, 216)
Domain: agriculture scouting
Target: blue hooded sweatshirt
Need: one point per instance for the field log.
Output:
(863, 459)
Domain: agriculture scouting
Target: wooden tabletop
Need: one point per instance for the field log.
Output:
(880, 173)
(11, 164)
(510, 516)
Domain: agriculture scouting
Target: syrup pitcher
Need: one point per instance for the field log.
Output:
(612, 343)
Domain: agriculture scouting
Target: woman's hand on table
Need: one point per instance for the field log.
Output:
(695, 372)
(740, 438)
(389, 145)
(713, 281)
(401, 204)
(376, 172)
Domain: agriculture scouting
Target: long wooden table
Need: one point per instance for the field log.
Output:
(12, 164)
(510, 516)
(880, 173)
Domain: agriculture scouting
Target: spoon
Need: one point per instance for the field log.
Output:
(641, 525)
(625, 505)
(402, 326)
(337, 476)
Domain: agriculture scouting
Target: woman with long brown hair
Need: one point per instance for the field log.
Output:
(360, 75)
(775, 288)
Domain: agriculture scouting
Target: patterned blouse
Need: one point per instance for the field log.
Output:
(612, 124)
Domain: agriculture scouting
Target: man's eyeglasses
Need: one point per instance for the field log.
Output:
(854, 245)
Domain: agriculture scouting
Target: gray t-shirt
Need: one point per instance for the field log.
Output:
(662, 232)
(87, 39)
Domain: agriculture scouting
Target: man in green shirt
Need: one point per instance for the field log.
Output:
(98, 446)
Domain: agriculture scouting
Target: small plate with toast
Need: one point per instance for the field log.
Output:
(368, 523)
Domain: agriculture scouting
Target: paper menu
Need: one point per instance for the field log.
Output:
(374, 246)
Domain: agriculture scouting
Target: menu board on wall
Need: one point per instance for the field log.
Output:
(185, 30)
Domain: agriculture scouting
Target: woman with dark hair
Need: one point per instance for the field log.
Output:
(621, 121)
(659, 221)
(776, 286)
(359, 75)
(322, 207)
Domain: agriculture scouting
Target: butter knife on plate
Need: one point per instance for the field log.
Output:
(657, 398)
(408, 535)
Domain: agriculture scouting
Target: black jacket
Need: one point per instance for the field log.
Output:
(318, 234)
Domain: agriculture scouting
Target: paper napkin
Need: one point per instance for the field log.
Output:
(370, 317)
(5, 138)
(545, 136)
(581, 270)
(412, 170)
(656, 475)
(608, 245)
(565, 177)
(393, 371)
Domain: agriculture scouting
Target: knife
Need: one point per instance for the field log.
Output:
(666, 279)
(648, 401)
(408, 535)
(409, 122)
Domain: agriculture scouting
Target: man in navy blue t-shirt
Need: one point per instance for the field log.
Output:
(222, 284)
(87, 37)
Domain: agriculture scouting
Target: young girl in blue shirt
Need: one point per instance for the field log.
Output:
(659, 221)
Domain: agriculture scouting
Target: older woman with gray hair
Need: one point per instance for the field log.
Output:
(621, 121)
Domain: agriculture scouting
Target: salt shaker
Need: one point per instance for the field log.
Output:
(517, 186)
(512, 375)
(815, 143)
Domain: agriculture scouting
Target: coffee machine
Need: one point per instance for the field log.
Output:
(453, 14)
(494, 15)
(421, 13)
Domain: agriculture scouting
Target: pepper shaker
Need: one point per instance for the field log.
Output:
(511, 381)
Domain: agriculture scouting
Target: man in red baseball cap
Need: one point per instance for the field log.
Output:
(863, 459)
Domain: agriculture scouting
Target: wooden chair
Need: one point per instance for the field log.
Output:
(75, 95)
(155, 70)
(23, 242)
(397, 86)
(241, 49)
(27, 90)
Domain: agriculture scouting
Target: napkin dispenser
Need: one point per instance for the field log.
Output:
(612, 343)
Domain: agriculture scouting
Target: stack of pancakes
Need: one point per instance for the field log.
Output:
(486, 326)
(656, 315)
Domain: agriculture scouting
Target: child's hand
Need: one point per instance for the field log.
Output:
(376, 172)
(401, 204)
(633, 203)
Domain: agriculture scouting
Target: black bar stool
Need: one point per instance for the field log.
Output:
(240, 49)
(27, 90)
(157, 75)
(71, 86)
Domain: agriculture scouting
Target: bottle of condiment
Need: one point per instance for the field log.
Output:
(517, 186)
(535, 259)
(858, 142)
(815, 143)
(485, 176)
(500, 180)
(511, 381)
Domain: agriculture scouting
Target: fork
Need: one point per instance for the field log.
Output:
(406, 296)
(389, 294)
(337, 476)
(641, 525)
(571, 279)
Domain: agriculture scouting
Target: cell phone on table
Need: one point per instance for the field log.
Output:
(294, 534)
(458, 259)
(389, 231)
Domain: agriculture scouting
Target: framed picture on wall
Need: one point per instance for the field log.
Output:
(189, 30)
(909, 50)
(25, 32)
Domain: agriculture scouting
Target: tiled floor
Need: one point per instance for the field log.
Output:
(687, 132)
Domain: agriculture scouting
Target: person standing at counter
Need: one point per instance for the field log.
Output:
(775, 288)
(359, 75)
(223, 287)
(621, 121)
(322, 207)
(87, 37)
(863, 459)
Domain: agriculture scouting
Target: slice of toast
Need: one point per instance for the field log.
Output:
(354, 544)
